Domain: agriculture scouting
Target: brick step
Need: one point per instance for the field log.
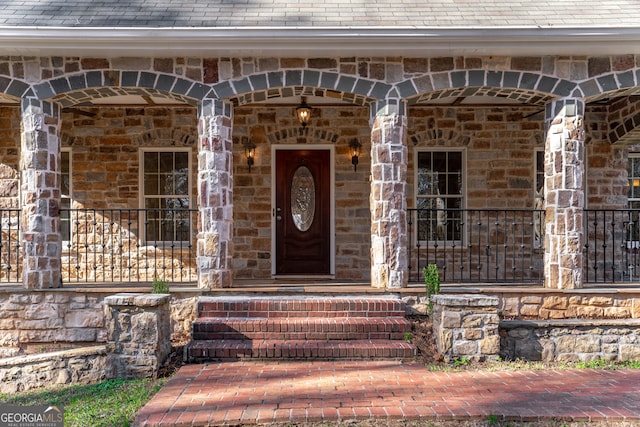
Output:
(338, 328)
(289, 307)
(201, 351)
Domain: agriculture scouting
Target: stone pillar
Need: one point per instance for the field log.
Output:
(215, 195)
(564, 194)
(138, 334)
(40, 198)
(466, 327)
(388, 204)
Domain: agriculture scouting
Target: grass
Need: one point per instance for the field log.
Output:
(515, 365)
(106, 404)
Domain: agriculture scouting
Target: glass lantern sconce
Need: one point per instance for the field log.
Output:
(354, 150)
(249, 151)
(303, 112)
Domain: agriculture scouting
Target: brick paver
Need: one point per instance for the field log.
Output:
(291, 393)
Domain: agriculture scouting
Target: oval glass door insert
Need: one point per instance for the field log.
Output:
(303, 198)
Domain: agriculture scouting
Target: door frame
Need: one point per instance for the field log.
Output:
(332, 200)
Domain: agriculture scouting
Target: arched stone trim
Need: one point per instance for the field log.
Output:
(622, 83)
(77, 88)
(523, 86)
(165, 137)
(281, 136)
(281, 84)
(439, 137)
(14, 88)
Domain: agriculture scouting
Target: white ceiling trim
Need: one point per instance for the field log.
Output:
(307, 41)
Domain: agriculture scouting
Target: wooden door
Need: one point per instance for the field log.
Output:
(302, 212)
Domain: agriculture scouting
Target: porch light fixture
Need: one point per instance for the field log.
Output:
(303, 112)
(249, 151)
(354, 150)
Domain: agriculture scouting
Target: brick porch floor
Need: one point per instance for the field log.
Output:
(296, 393)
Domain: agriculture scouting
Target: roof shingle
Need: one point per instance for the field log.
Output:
(327, 13)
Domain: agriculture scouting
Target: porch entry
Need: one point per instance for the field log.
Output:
(303, 219)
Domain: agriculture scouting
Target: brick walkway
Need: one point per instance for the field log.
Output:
(294, 393)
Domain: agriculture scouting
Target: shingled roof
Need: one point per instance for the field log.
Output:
(324, 13)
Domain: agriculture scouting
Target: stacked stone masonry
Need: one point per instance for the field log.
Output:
(79, 366)
(466, 327)
(570, 340)
(138, 334)
(62, 83)
(46, 321)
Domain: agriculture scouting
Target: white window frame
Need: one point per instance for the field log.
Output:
(66, 240)
(633, 239)
(463, 195)
(142, 195)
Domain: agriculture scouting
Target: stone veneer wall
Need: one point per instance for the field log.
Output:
(85, 365)
(570, 340)
(481, 129)
(535, 305)
(252, 190)
(44, 321)
(466, 327)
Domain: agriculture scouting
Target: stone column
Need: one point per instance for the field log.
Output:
(138, 334)
(215, 195)
(387, 201)
(40, 198)
(564, 194)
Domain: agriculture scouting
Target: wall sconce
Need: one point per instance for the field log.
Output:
(354, 150)
(249, 151)
(303, 112)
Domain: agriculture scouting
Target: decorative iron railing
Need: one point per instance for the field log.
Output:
(128, 245)
(10, 246)
(467, 245)
(611, 245)
(477, 245)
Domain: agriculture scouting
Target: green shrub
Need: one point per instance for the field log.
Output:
(432, 283)
(159, 286)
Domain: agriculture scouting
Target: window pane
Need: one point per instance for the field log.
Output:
(166, 162)
(182, 161)
(151, 184)
(65, 172)
(150, 162)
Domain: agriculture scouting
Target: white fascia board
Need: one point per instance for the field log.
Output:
(329, 41)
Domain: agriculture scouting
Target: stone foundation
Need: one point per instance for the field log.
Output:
(570, 340)
(79, 366)
(42, 321)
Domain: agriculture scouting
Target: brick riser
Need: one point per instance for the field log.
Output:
(231, 328)
(202, 351)
(392, 328)
(287, 308)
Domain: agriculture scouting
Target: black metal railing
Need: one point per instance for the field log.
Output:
(10, 246)
(128, 245)
(477, 245)
(611, 246)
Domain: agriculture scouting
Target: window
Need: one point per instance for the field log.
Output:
(538, 200)
(439, 197)
(66, 194)
(166, 194)
(633, 175)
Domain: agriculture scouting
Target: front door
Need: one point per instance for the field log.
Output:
(303, 212)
